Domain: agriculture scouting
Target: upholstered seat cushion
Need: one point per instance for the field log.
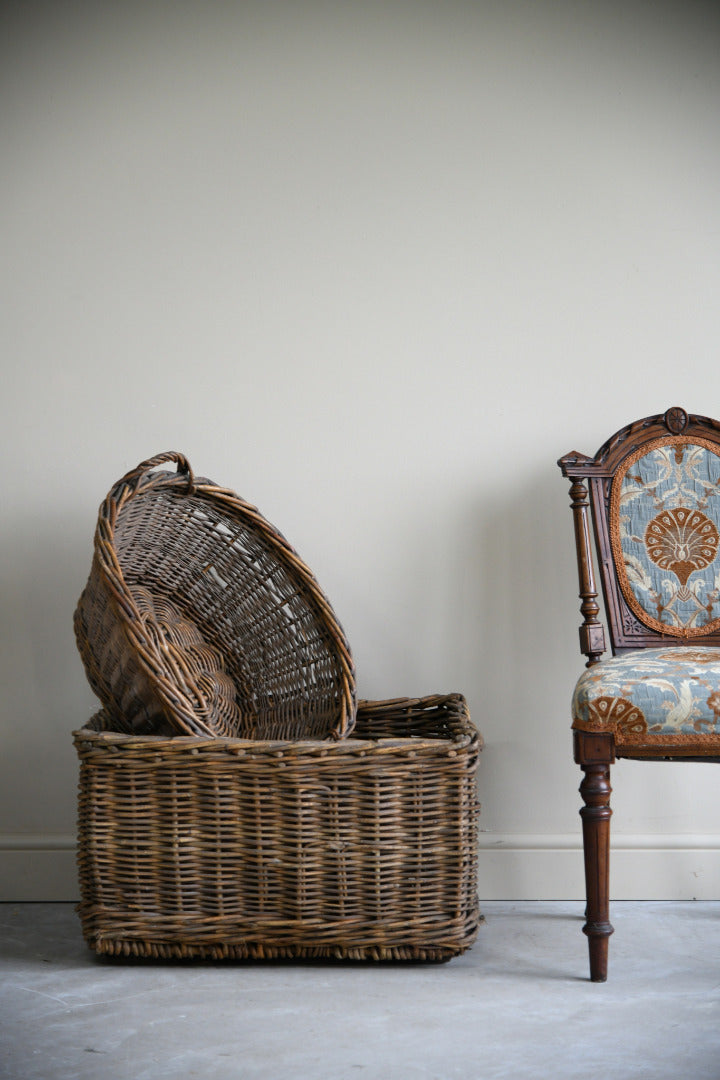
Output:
(654, 699)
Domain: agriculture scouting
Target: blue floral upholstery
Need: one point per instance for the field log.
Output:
(665, 532)
(651, 698)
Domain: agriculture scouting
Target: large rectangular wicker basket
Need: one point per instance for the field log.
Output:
(364, 848)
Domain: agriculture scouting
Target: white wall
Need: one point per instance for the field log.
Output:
(376, 266)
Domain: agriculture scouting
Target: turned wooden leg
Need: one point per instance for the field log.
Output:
(596, 813)
(595, 790)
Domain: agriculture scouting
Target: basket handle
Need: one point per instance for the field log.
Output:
(133, 478)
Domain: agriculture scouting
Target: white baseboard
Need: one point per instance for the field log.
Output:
(511, 867)
(37, 868)
(642, 867)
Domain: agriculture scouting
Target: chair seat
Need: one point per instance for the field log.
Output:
(654, 701)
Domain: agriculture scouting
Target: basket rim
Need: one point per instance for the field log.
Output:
(463, 735)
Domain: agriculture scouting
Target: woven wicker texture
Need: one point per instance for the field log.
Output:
(199, 618)
(236, 849)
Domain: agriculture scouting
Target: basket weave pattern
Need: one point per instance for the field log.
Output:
(243, 610)
(234, 848)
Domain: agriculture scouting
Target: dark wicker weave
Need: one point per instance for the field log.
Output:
(199, 618)
(238, 849)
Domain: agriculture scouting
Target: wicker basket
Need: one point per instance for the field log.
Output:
(364, 848)
(199, 618)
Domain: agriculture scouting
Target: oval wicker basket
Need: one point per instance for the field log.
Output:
(199, 618)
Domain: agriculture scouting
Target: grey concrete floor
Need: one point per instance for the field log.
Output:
(517, 1005)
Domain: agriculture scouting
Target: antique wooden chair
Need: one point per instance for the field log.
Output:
(654, 494)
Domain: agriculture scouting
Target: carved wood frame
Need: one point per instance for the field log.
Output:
(591, 486)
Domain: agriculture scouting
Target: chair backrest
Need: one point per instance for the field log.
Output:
(653, 490)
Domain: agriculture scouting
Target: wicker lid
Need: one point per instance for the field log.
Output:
(198, 617)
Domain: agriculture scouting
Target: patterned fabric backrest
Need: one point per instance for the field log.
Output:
(665, 534)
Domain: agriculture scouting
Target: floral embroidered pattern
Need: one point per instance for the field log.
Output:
(617, 713)
(664, 515)
(671, 691)
(682, 541)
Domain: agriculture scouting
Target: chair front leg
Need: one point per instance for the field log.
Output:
(594, 753)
